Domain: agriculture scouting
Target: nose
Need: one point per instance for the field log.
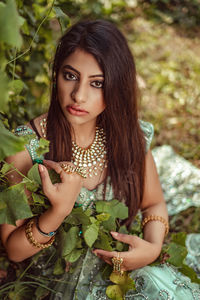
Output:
(79, 93)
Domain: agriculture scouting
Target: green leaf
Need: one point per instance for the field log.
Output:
(34, 174)
(179, 238)
(4, 96)
(70, 239)
(103, 241)
(77, 217)
(59, 267)
(189, 272)
(16, 86)
(10, 144)
(10, 23)
(110, 224)
(55, 177)
(38, 199)
(14, 205)
(31, 185)
(103, 217)
(74, 255)
(63, 19)
(125, 282)
(43, 147)
(6, 167)
(114, 207)
(41, 293)
(114, 292)
(90, 234)
(177, 254)
(123, 230)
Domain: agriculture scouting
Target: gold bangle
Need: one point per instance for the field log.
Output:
(156, 218)
(31, 239)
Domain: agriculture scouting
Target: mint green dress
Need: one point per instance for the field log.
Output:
(181, 186)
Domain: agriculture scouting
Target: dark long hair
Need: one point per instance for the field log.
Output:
(125, 139)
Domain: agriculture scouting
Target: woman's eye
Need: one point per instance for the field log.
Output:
(69, 76)
(97, 84)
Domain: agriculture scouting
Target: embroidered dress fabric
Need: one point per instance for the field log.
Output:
(180, 181)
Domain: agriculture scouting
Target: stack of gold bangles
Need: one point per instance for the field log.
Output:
(31, 239)
(69, 169)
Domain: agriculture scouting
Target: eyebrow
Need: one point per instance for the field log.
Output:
(73, 69)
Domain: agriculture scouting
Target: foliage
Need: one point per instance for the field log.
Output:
(165, 40)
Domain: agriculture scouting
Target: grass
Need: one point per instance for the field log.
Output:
(168, 65)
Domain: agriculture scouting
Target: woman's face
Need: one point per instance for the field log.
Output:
(80, 88)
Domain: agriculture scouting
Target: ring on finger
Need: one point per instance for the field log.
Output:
(117, 262)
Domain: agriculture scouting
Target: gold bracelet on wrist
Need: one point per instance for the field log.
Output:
(156, 218)
(31, 239)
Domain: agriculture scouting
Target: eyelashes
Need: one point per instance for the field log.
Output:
(72, 77)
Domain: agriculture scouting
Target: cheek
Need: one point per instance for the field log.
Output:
(64, 92)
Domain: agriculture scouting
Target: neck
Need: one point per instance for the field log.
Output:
(84, 135)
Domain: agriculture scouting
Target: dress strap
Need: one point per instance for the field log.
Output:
(34, 128)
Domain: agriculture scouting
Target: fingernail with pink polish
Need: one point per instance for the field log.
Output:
(114, 233)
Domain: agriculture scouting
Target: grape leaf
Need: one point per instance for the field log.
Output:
(70, 239)
(125, 282)
(74, 255)
(10, 144)
(114, 207)
(110, 224)
(77, 217)
(55, 178)
(16, 86)
(177, 254)
(186, 270)
(103, 241)
(31, 185)
(6, 167)
(14, 205)
(179, 238)
(59, 267)
(34, 174)
(63, 19)
(10, 23)
(114, 292)
(103, 217)
(4, 95)
(90, 233)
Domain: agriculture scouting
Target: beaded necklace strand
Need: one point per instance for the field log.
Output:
(91, 159)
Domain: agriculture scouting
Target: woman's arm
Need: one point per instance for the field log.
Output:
(143, 251)
(62, 197)
(153, 203)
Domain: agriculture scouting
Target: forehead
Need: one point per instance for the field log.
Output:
(83, 62)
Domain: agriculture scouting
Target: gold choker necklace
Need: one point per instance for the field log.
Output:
(91, 160)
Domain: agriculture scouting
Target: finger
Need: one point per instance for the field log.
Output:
(108, 254)
(46, 181)
(107, 260)
(125, 238)
(53, 165)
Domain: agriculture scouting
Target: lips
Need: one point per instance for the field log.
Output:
(76, 110)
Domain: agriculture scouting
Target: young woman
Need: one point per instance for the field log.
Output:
(101, 151)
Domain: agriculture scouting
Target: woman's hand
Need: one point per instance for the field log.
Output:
(64, 194)
(140, 253)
